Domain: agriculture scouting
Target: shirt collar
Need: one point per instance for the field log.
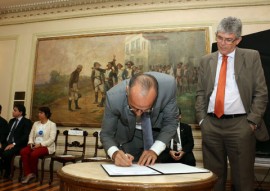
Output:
(19, 119)
(231, 55)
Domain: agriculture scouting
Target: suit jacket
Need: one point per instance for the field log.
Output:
(3, 129)
(21, 132)
(250, 80)
(186, 136)
(118, 125)
(187, 146)
(48, 136)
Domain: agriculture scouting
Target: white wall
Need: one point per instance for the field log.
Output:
(18, 41)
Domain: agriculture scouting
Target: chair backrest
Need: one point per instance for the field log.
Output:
(75, 146)
(56, 139)
(97, 145)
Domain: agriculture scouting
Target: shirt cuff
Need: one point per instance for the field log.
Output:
(201, 122)
(112, 150)
(158, 147)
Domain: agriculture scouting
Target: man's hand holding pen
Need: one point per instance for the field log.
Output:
(122, 159)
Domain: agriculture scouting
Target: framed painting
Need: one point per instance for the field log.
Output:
(71, 72)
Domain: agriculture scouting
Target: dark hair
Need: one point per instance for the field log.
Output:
(0, 108)
(21, 108)
(46, 110)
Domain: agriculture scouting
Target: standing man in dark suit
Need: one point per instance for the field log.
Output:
(3, 129)
(150, 96)
(228, 128)
(180, 150)
(17, 136)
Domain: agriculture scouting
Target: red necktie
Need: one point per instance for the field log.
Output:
(219, 104)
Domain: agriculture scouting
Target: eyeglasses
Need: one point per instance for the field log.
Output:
(135, 110)
(220, 39)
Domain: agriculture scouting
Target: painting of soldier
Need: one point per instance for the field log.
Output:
(82, 69)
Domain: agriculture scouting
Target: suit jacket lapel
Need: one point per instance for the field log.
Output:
(213, 63)
(18, 125)
(238, 63)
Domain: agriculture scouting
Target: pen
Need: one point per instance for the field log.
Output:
(122, 148)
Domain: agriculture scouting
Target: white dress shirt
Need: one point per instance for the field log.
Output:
(232, 100)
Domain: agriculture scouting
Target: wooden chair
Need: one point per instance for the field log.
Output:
(262, 162)
(42, 158)
(98, 147)
(12, 166)
(74, 150)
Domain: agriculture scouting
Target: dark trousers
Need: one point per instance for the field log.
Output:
(229, 139)
(7, 158)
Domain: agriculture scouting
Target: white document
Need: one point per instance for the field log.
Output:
(176, 168)
(75, 132)
(133, 170)
(65, 156)
(157, 169)
(96, 158)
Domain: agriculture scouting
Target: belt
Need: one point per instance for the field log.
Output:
(226, 116)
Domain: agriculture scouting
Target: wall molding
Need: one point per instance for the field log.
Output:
(47, 12)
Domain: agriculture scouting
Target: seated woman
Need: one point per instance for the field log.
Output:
(41, 143)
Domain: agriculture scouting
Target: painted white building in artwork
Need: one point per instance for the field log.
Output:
(146, 50)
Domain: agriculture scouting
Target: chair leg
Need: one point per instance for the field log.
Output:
(42, 171)
(51, 171)
(21, 170)
(12, 167)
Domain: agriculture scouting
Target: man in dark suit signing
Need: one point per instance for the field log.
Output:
(17, 133)
(230, 104)
(146, 100)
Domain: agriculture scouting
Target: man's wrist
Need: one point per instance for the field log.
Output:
(114, 154)
(254, 124)
(112, 150)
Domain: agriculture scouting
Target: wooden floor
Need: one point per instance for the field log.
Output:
(14, 185)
